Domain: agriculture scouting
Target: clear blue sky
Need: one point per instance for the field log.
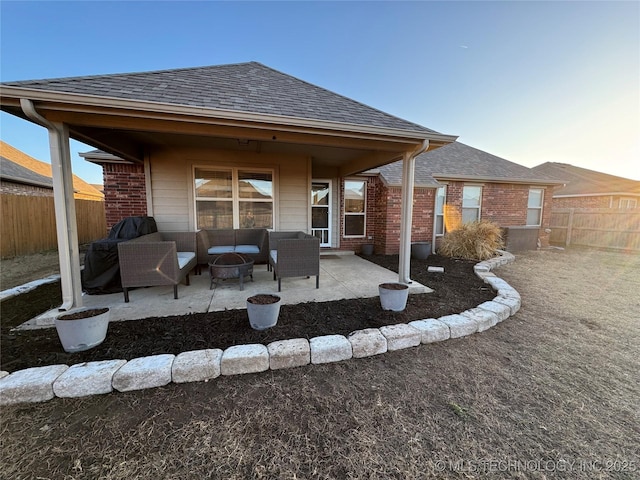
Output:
(528, 81)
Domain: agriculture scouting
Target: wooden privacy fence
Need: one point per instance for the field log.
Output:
(596, 227)
(29, 224)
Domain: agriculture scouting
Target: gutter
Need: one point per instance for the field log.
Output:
(64, 203)
(475, 178)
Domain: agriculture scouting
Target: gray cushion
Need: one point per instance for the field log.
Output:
(247, 249)
(221, 249)
(184, 258)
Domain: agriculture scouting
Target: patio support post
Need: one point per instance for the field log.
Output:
(65, 207)
(406, 213)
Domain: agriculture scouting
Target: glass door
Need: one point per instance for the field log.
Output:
(321, 211)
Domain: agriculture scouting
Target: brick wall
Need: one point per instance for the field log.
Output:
(21, 189)
(584, 202)
(504, 204)
(125, 193)
(383, 217)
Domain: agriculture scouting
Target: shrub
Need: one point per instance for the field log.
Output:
(474, 241)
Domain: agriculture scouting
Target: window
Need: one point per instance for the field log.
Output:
(441, 196)
(628, 203)
(234, 198)
(355, 203)
(471, 196)
(534, 206)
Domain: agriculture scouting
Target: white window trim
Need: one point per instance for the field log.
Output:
(444, 202)
(235, 198)
(479, 207)
(542, 192)
(345, 213)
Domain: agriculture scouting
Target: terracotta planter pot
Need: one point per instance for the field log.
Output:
(82, 328)
(263, 310)
(393, 296)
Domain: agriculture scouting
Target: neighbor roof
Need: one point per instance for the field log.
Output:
(12, 172)
(245, 87)
(582, 181)
(19, 167)
(458, 161)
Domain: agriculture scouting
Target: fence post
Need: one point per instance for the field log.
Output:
(569, 227)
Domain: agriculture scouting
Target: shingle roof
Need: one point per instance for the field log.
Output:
(458, 160)
(17, 162)
(245, 87)
(582, 181)
(11, 171)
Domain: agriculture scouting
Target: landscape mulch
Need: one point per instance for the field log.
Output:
(456, 290)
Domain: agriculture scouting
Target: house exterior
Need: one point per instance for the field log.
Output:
(459, 183)
(587, 189)
(21, 174)
(453, 182)
(215, 146)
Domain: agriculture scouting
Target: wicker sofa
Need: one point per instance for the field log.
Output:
(294, 254)
(253, 242)
(160, 258)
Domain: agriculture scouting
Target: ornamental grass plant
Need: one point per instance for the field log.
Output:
(478, 240)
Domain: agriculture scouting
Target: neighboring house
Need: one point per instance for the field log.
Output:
(21, 174)
(590, 189)
(458, 183)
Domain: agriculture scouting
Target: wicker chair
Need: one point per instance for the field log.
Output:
(157, 259)
(294, 254)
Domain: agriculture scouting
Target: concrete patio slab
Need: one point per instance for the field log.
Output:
(341, 277)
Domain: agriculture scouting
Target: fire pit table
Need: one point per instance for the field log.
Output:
(231, 265)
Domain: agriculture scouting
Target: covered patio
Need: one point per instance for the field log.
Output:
(170, 129)
(343, 275)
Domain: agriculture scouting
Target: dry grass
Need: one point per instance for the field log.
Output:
(473, 241)
(556, 383)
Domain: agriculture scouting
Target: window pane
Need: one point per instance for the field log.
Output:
(212, 215)
(319, 217)
(469, 215)
(440, 195)
(533, 216)
(354, 196)
(256, 214)
(439, 225)
(354, 225)
(471, 196)
(211, 183)
(320, 194)
(535, 198)
(255, 185)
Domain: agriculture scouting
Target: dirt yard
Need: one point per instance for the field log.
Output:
(550, 393)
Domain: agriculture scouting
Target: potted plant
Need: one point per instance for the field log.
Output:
(393, 296)
(263, 310)
(83, 328)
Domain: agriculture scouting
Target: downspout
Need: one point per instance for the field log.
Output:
(65, 207)
(406, 216)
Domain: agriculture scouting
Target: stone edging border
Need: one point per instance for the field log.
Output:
(38, 384)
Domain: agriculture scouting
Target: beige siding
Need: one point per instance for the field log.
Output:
(171, 174)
